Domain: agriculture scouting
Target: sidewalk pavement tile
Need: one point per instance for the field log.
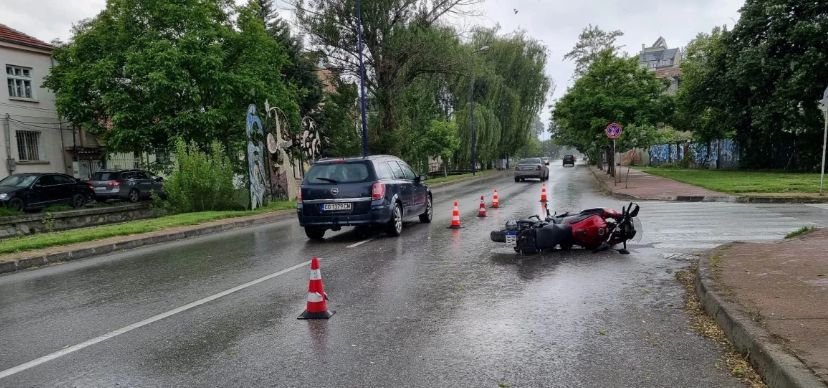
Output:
(786, 284)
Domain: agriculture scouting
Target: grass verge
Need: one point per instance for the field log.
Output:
(740, 182)
(45, 240)
(800, 232)
(734, 362)
(444, 180)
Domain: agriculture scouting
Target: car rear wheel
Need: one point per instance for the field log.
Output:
(134, 195)
(429, 212)
(517, 179)
(395, 225)
(314, 233)
(16, 204)
(78, 201)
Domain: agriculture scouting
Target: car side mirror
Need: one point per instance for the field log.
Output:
(420, 178)
(159, 179)
(546, 163)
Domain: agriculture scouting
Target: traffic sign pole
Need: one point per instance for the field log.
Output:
(613, 132)
(824, 103)
(824, 141)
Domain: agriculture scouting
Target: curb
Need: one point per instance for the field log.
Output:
(777, 367)
(51, 258)
(707, 198)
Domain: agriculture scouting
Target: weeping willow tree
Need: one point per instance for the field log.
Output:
(508, 89)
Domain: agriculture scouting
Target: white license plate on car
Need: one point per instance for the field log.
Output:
(511, 238)
(100, 189)
(336, 207)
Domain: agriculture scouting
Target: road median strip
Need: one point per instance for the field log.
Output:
(33, 251)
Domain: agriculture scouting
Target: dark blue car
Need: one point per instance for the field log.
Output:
(375, 190)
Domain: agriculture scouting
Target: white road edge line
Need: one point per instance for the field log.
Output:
(354, 245)
(126, 329)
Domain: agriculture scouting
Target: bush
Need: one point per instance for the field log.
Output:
(200, 181)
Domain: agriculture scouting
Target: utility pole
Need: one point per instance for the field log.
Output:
(824, 106)
(362, 81)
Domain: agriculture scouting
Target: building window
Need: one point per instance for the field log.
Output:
(28, 145)
(20, 81)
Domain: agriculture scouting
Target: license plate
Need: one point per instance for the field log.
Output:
(511, 238)
(336, 207)
(100, 189)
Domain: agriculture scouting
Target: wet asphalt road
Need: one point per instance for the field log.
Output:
(434, 307)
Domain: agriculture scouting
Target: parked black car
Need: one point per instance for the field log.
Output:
(569, 159)
(36, 191)
(375, 190)
(128, 185)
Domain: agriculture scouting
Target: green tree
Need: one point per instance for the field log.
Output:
(612, 89)
(301, 70)
(403, 40)
(777, 67)
(591, 43)
(338, 121)
(144, 72)
(699, 96)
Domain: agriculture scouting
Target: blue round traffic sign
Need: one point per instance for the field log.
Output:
(613, 130)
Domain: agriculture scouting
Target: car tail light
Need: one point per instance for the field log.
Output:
(377, 191)
(113, 183)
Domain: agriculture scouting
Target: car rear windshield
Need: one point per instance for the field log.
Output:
(104, 176)
(530, 161)
(338, 173)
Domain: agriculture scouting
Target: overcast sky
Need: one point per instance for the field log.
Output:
(555, 23)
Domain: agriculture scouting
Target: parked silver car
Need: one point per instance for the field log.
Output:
(531, 168)
(129, 185)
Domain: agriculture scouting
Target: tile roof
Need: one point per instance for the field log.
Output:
(8, 34)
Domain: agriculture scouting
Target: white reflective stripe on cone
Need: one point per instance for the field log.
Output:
(316, 274)
(315, 297)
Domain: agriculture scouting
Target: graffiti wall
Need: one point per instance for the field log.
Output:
(722, 153)
(255, 157)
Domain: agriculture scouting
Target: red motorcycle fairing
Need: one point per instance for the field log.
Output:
(591, 231)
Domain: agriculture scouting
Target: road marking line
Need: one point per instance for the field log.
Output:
(354, 245)
(126, 329)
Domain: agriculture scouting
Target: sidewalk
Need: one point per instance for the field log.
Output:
(642, 186)
(778, 293)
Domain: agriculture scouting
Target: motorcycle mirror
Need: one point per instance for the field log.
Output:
(634, 213)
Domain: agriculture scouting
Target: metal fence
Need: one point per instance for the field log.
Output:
(721, 153)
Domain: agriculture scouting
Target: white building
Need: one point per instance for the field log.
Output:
(35, 139)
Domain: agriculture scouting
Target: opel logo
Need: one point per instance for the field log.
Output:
(335, 191)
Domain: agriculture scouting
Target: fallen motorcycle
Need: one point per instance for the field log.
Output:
(596, 229)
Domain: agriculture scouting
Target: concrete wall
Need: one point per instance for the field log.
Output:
(37, 114)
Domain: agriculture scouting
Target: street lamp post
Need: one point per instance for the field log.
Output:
(473, 129)
(362, 81)
(471, 113)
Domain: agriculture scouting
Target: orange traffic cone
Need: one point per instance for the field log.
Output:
(482, 211)
(317, 307)
(455, 217)
(543, 192)
(495, 200)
